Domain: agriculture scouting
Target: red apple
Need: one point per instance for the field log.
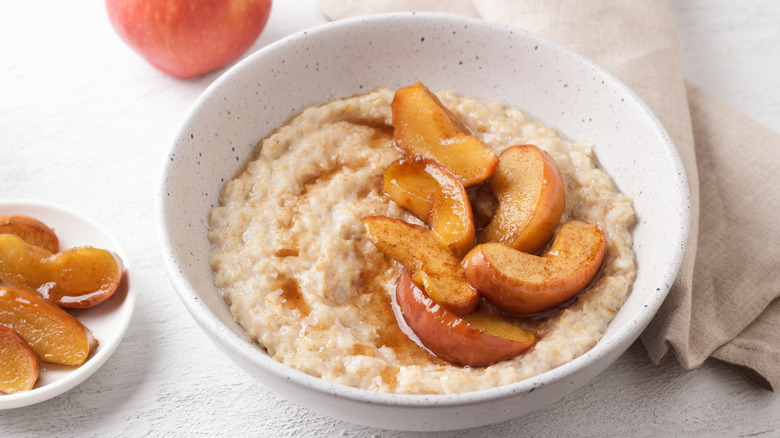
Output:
(186, 38)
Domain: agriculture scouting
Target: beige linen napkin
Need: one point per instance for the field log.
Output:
(723, 303)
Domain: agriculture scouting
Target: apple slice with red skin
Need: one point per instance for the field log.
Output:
(430, 191)
(75, 278)
(531, 198)
(433, 265)
(424, 126)
(31, 230)
(525, 284)
(455, 339)
(18, 364)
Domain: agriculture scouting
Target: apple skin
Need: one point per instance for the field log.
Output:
(524, 284)
(187, 38)
(531, 198)
(448, 336)
(31, 230)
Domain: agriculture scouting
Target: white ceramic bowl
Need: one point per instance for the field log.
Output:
(476, 58)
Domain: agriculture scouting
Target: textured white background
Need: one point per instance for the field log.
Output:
(86, 123)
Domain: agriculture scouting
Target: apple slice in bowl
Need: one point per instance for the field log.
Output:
(479, 339)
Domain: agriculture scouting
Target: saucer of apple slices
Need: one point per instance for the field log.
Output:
(91, 322)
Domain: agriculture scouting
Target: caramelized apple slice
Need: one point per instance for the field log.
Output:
(497, 326)
(525, 284)
(76, 278)
(423, 126)
(52, 333)
(433, 265)
(530, 193)
(430, 191)
(18, 363)
(462, 341)
(30, 230)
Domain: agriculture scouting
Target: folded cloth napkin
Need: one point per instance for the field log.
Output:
(723, 303)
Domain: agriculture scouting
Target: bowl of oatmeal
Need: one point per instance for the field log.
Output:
(276, 165)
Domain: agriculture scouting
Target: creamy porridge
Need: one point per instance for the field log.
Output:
(291, 259)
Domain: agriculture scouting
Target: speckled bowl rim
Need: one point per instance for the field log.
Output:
(225, 339)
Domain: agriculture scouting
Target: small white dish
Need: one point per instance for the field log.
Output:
(108, 321)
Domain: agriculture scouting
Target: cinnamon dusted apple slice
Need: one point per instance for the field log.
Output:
(75, 278)
(31, 230)
(423, 126)
(430, 191)
(525, 284)
(479, 339)
(531, 197)
(18, 363)
(432, 264)
(52, 333)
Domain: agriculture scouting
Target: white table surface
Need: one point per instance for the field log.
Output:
(85, 123)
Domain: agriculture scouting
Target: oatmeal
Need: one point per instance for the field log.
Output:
(291, 259)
